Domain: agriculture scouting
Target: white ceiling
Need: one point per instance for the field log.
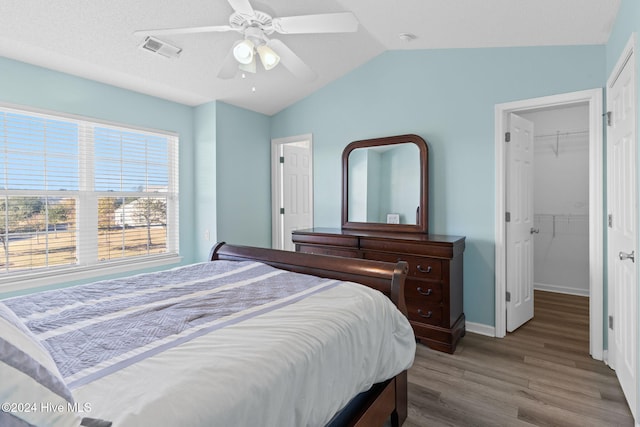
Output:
(94, 39)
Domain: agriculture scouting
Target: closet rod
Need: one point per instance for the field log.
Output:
(581, 132)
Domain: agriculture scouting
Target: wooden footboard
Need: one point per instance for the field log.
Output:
(384, 276)
(385, 400)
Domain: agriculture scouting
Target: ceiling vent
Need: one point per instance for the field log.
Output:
(154, 45)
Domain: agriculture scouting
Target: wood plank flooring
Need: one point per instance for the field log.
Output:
(540, 375)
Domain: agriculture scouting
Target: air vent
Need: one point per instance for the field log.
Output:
(161, 48)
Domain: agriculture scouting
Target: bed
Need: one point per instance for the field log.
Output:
(256, 337)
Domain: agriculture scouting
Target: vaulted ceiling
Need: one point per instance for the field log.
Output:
(94, 39)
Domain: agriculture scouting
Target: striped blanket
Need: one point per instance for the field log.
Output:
(94, 330)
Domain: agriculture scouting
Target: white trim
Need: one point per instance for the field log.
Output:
(594, 98)
(560, 289)
(70, 274)
(276, 144)
(480, 329)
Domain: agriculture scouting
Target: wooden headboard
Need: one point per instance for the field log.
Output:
(386, 277)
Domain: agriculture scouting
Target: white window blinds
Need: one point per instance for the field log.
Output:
(38, 153)
(76, 193)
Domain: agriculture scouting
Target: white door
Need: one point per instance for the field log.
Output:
(519, 204)
(296, 192)
(622, 230)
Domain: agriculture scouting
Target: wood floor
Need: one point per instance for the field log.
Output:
(540, 375)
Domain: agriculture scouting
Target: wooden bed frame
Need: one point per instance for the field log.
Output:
(384, 400)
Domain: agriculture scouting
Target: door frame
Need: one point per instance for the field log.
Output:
(276, 183)
(594, 98)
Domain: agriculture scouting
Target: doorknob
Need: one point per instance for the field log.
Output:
(624, 255)
(534, 230)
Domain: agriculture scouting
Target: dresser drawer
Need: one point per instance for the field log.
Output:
(328, 250)
(423, 292)
(420, 267)
(430, 314)
(324, 240)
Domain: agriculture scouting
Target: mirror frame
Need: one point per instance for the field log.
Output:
(421, 225)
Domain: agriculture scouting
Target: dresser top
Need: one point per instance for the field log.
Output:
(416, 237)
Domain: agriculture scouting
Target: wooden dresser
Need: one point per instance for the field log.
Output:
(434, 286)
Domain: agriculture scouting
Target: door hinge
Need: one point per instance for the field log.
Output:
(610, 220)
(609, 116)
(508, 296)
(507, 216)
(281, 159)
(507, 137)
(610, 322)
(282, 211)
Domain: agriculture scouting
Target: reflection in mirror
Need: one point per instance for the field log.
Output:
(384, 184)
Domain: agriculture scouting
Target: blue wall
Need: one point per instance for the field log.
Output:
(232, 169)
(205, 185)
(243, 174)
(448, 98)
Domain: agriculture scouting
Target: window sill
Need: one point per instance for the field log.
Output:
(49, 277)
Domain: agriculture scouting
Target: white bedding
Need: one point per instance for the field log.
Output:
(296, 366)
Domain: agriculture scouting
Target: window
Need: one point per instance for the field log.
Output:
(80, 194)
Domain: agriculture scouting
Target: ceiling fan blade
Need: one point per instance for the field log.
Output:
(291, 61)
(187, 30)
(229, 66)
(345, 22)
(243, 7)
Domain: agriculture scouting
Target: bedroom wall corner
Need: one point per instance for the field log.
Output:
(243, 176)
(204, 188)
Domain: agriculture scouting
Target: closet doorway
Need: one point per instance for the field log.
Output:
(566, 227)
(561, 198)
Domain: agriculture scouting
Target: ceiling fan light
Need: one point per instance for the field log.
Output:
(243, 51)
(250, 67)
(268, 57)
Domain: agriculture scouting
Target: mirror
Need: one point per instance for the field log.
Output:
(384, 184)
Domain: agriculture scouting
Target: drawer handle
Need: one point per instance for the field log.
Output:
(427, 293)
(426, 316)
(424, 270)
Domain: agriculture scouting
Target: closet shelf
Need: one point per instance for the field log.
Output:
(558, 134)
(555, 224)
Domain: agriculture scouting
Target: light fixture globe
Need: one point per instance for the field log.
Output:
(250, 67)
(243, 51)
(268, 57)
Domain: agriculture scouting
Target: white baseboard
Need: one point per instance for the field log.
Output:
(561, 289)
(481, 329)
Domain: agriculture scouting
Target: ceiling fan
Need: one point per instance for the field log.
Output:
(256, 27)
